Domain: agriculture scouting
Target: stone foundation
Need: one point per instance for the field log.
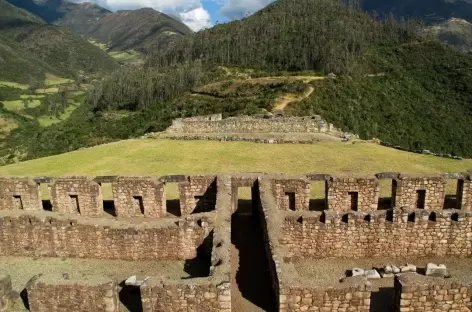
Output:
(60, 293)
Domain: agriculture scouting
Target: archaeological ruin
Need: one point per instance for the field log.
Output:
(237, 242)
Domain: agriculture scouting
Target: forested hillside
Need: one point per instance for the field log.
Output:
(31, 48)
(391, 82)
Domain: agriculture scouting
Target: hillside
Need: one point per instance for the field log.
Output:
(32, 48)
(140, 30)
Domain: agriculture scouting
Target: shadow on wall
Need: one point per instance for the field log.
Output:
(383, 300)
(130, 297)
(200, 265)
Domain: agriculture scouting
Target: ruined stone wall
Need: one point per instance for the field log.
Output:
(246, 124)
(464, 193)
(50, 236)
(406, 192)
(139, 196)
(291, 193)
(60, 294)
(5, 290)
(197, 194)
(19, 194)
(358, 194)
(295, 293)
(414, 292)
(393, 233)
(77, 195)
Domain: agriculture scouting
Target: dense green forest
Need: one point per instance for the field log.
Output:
(391, 83)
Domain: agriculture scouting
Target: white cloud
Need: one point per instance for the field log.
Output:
(190, 11)
(196, 19)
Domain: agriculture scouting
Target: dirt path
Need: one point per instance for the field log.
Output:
(282, 101)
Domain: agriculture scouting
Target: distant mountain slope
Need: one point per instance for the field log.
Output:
(427, 10)
(141, 29)
(31, 48)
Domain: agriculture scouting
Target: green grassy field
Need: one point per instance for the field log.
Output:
(164, 157)
(14, 85)
(46, 121)
(17, 105)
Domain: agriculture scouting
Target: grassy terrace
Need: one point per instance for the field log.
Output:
(163, 157)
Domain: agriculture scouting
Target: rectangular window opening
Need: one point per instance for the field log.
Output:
(451, 196)
(173, 199)
(420, 199)
(138, 205)
(354, 198)
(108, 200)
(245, 205)
(18, 202)
(386, 195)
(290, 198)
(74, 202)
(45, 190)
(459, 195)
(318, 196)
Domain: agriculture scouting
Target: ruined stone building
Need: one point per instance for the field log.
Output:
(350, 222)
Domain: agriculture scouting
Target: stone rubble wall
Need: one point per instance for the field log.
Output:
(464, 193)
(198, 193)
(406, 187)
(5, 291)
(247, 124)
(39, 236)
(291, 193)
(77, 195)
(58, 294)
(139, 196)
(211, 294)
(20, 193)
(414, 292)
(339, 189)
(294, 293)
(392, 233)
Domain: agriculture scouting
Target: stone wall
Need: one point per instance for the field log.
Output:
(197, 194)
(77, 195)
(358, 194)
(19, 194)
(464, 193)
(392, 233)
(139, 196)
(45, 235)
(246, 124)
(414, 292)
(60, 293)
(291, 193)
(5, 291)
(407, 192)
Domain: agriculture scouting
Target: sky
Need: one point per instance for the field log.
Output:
(197, 14)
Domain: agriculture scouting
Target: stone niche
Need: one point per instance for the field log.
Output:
(419, 192)
(19, 194)
(77, 195)
(464, 193)
(65, 293)
(139, 196)
(292, 193)
(197, 194)
(353, 194)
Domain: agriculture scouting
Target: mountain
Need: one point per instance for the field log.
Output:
(140, 30)
(31, 48)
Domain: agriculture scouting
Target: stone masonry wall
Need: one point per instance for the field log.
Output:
(40, 236)
(414, 292)
(246, 124)
(406, 188)
(198, 194)
(58, 294)
(393, 233)
(139, 196)
(464, 193)
(77, 195)
(19, 194)
(5, 290)
(359, 194)
(291, 193)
